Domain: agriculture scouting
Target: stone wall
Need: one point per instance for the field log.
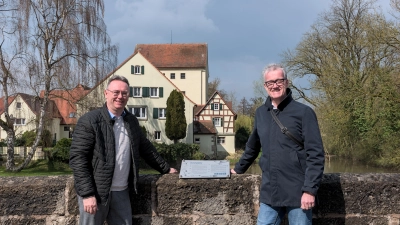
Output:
(167, 200)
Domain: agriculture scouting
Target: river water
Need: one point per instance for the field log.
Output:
(336, 165)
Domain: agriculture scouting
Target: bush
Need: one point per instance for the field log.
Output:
(175, 153)
(241, 137)
(3, 144)
(60, 152)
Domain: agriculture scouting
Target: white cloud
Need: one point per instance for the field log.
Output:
(151, 21)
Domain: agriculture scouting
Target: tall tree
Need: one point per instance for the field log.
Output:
(351, 59)
(175, 125)
(243, 107)
(65, 43)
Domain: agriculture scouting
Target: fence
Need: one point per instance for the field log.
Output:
(23, 151)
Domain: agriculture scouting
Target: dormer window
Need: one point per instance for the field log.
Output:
(71, 114)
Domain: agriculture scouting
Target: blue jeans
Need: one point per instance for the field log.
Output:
(269, 215)
(116, 212)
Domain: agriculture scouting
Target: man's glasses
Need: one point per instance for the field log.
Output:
(271, 83)
(116, 93)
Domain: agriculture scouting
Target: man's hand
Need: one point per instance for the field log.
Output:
(173, 170)
(90, 205)
(307, 201)
(233, 171)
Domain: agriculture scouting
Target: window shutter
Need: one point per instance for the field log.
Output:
(213, 120)
(220, 106)
(222, 122)
(142, 69)
(146, 92)
(155, 113)
(160, 92)
(132, 69)
(212, 106)
(130, 91)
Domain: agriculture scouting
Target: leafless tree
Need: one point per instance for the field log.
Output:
(65, 43)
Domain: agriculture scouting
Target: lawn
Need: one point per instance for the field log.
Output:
(46, 168)
(39, 168)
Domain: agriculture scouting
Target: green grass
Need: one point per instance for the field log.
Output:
(45, 168)
(39, 168)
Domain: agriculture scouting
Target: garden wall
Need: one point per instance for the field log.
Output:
(355, 199)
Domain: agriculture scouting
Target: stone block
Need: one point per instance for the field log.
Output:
(42, 195)
(142, 201)
(372, 194)
(207, 196)
(227, 220)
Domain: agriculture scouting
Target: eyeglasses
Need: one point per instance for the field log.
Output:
(116, 93)
(271, 83)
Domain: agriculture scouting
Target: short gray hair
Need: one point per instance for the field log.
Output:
(118, 77)
(273, 67)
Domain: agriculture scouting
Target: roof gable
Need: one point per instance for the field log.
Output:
(199, 110)
(175, 55)
(128, 61)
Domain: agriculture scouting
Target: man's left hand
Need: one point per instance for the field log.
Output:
(307, 201)
(173, 170)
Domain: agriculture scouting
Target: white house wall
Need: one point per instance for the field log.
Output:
(227, 129)
(151, 78)
(194, 85)
(24, 112)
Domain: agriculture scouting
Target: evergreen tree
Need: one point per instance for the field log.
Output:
(175, 126)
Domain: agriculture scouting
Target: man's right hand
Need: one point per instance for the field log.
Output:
(90, 205)
(233, 171)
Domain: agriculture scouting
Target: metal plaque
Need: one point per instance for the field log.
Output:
(205, 169)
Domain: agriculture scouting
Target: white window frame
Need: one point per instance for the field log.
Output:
(137, 92)
(152, 89)
(217, 121)
(142, 113)
(216, 106)
(220, 140)
(157, 135)
(183, 76)
(138, 69)
(172, 76)
(20, 120)
(162, 113)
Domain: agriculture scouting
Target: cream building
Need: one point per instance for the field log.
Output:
(153, 72)
(60, 112)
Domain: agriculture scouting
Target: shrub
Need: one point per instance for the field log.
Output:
(175, 153)
(60, 152)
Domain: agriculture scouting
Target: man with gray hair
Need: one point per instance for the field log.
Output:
(292, 159)
(104, 156)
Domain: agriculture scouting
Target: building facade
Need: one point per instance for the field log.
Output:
(153, 72)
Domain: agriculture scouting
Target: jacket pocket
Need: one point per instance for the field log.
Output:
(299, 161)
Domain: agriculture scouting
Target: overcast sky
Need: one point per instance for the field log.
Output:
(242, 36)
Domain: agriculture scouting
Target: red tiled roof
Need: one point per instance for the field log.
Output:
(33, 102)
(65, 101)
(198, 109)
(175, 55)
(10, 99)
(204, 127)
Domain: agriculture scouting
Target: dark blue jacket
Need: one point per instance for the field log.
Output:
(288, 170)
